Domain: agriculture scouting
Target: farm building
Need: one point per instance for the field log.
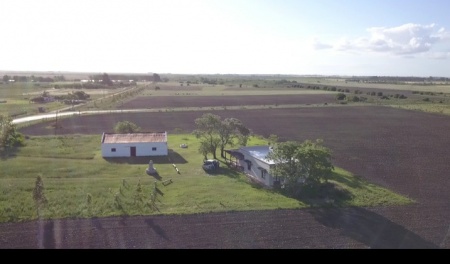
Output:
(134, 144)
(253, 161)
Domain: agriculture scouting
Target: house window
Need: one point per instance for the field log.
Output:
(249, 164)
(154, 149)
(113, 150)
(263, 173)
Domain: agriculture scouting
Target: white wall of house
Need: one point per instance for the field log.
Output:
(266, 178)
(142, 149)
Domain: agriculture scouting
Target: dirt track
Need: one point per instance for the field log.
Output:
(398, 149)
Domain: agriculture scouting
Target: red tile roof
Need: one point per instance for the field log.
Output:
(134, 137)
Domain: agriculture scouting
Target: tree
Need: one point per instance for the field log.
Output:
(215, 133)
(126, 127)
(38, 194)
(156, 77)
(340, 96)
(230, 131)
(6, 78)
(106, 80)
(9, 136)
(207, 131)
(273, 139)
(308, 162)
(79, 95)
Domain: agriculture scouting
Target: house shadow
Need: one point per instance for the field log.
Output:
(370, 228)
(173, 157)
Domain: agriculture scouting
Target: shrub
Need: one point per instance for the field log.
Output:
(126, 127)
(340, 96)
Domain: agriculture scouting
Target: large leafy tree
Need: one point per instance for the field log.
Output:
(308, 162)
(208, 126)
(9, 136)
(106, 80)
(232, 131)
(215, 133)
(126, 127)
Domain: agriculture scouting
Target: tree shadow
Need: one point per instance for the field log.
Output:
(323, 195)
(156, 228)
(370, 228)
(8, 153)
(159, 191)
(229, 172)
(49, 236)
(354, 182)
(172, 158)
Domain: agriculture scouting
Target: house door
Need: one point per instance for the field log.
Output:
(132, 151)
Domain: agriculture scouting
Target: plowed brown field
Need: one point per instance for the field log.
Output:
(407, 152)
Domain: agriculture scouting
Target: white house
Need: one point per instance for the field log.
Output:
(134, 144)
(255, 164)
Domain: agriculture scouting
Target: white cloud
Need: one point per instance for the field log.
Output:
(317, 45)
(405, 40)
(438, 55)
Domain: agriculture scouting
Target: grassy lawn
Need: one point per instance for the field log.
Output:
(80, 183)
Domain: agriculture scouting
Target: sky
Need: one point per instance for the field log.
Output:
(301, 37)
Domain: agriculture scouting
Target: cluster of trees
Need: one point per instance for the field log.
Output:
(9, 135)
(301, 163)
(124, 127)
(211, 81)
(298, 163)
(215, 133)
(396, 79)
(32, 78)
(108, 78)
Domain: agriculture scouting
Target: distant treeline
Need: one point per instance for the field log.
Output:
(32, 78)
(100, 77)
(127, 77)
(397, 79)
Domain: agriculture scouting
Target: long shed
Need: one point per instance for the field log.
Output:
(134, 144)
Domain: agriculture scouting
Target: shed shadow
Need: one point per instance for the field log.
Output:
(172, 158)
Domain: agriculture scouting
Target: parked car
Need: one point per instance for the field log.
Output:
(210, 165)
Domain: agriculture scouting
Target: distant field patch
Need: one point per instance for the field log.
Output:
(205, 101)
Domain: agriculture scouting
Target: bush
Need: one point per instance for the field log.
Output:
(426, 99)
(126, 127)
(340, 96)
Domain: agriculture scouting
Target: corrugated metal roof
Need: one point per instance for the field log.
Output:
(135, 137)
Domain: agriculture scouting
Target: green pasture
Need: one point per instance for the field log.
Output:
(80, 183)
(340, 82)
(175, 89)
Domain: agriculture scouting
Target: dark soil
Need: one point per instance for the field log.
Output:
(402, 150)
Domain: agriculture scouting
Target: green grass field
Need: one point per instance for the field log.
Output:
(73, 170)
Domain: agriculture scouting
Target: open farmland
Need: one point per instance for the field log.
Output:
(205, 101)
(398, 149)
(402, 150)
